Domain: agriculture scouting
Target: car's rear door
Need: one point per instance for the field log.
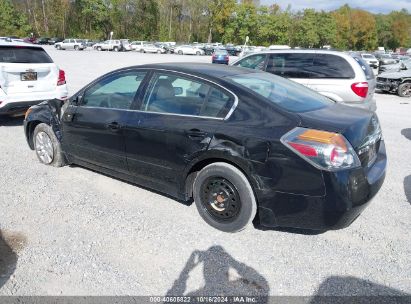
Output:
(93, 129)
(175, 123)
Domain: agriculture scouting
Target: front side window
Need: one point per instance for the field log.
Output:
(175, 94)
(287, 94)
(115, 91)
(255, 62)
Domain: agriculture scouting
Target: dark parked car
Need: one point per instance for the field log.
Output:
(233, 50)
(235, 140)
(220, 56)
(54, 40)
(43, 41)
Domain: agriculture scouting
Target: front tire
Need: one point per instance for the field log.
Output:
(47, 146)
(115, 49)
(404, 89)
(224, 197)
(180, 52)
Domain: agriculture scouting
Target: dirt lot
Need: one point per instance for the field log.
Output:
(71, 231)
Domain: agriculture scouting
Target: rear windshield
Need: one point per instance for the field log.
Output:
(13, 54)
(287, 94)
(365, 67)
(220, 52)
(368, 56)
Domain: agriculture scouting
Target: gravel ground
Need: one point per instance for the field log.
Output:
(71, 231)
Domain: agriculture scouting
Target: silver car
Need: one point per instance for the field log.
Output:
(70, 44)
(342, 77)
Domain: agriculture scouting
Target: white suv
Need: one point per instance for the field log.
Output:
(70, 44)
(27, 77)
(108, 45)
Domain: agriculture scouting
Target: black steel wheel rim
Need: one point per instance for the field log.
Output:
(220, 199)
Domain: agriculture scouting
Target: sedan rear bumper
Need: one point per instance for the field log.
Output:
(348, 193)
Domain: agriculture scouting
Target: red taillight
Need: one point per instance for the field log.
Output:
(304, 149)
(360, 88)
(324, 150)
(62, 78)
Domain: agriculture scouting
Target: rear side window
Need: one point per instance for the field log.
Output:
(287, 94)
(290, 65)
(174, 94)
(365, 67)
(331, 66)
(12, 54)
(255, 62)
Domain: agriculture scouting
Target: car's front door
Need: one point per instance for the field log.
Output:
(177, 119)
(93, 128)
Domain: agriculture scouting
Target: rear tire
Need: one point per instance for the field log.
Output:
(404, 89)
(58, 47)
(115, 49)
(76, 48)
(99, 48)
(47, 146)
(180, 52)
(224, 197)
(198, 53)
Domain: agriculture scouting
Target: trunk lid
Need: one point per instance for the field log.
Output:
(360, 127)
(26, 69)
(15, 77)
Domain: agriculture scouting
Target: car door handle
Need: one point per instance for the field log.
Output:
(114, 126)
(196, 134)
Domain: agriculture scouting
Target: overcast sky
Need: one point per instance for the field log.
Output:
(375, 6)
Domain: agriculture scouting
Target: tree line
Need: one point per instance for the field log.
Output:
(226, 21)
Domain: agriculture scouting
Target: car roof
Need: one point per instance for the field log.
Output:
(206, 69)
(18, 43)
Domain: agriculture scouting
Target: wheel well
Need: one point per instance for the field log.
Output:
(30, 130)
(191, 175)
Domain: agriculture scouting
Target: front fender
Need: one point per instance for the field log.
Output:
(48, 112)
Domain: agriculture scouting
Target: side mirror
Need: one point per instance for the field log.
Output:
(76, 101)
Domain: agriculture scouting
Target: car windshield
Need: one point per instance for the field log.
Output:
(10, 54)
(288, 95)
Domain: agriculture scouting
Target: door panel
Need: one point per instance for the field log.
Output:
(90, 136)
(93, 130)
(178, 118)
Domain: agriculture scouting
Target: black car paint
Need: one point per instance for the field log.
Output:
(290, 192)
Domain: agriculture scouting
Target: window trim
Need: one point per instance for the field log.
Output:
(138, 98)
(230, 112)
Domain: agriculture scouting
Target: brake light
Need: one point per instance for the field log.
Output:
(62, 78)
(324, 150)
(360, 88)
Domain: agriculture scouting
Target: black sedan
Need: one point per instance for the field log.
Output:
(244, 145)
